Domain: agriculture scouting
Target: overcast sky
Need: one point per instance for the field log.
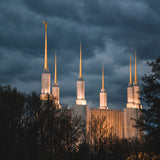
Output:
(108, 30)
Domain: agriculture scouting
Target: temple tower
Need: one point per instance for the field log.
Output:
(80, 109)
(45, 77)
(136, 89)
(132, 112)
(80, 84)
(103, 94)
(55, 88)
(130, 102)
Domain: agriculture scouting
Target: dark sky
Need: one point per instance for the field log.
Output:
(108, 30)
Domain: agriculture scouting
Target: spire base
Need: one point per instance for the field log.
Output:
(103, 90)
(135, 83)
(80, 78)
(103, 107)
(81, 102)
(55, 84)
(46, 70)
(130, 84)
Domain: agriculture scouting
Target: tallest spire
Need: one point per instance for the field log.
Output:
(80, 64)
(45, 57)
(102, 76)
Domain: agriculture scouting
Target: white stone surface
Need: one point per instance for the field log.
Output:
(81, 93)
(136, 90)
(133, 97)
(81, 102)
(45, 84)
(103, 100)
(130, 115)
(55, 93)
(80, 90)
(130, 94)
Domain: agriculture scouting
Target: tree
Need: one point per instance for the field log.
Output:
(142, 156)
(101, 133)
(11, 106)
(150, 120)
(30, 126)
(58, 131)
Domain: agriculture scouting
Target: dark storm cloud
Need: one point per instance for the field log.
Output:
(108, 31)
(123, 21)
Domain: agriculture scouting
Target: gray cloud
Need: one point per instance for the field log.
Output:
(108, 30)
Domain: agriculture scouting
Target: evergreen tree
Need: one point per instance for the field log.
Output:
(150, 120)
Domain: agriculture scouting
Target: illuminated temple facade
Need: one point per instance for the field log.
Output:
(117, 123)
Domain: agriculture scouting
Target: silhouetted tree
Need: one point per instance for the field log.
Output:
(30, 126)
(34, 129)
(150, 120)
(11, 106)
(101, 133)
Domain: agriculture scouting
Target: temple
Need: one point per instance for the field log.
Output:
(117, 123)
(80, 84)
(45, 78)
(55, 88)
(103, 94)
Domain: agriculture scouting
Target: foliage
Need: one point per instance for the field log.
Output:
(150, 120)
(101, 133)
(151, 93)
(34, 129)
(143, 156)
(11, 105)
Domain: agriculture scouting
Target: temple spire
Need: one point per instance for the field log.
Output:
(102, 76)
(55, 72)
(45, 57)
(130, 70)
(80, 63)
(135, 69)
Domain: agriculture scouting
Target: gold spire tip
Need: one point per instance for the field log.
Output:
(44, 22)
(102, 76)
(80, 63)
(45, 57)
(55, 72)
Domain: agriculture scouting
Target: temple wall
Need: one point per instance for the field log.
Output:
(55, 93)
(104, 123)
(110, 122)
(82, 112)
(130, 114)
